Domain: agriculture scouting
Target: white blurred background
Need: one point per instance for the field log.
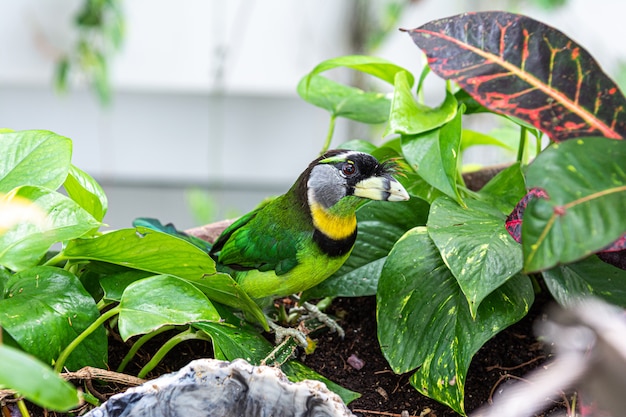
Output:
(204, 106)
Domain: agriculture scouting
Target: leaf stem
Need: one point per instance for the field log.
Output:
(188, 334)
(139, 343)
(329, 135)
(523, 137)
(56, 259)
(58, 366)
(21, 405)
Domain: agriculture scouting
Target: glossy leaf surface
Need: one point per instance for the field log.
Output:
(589, 277)
(475, 246)
(85, 191)
(25, 244)
(161, 300)
(515, 65)
(424, 319)
(585, 184)
(434, 155)
(36, 381)
(44, 309)
(33, 157)
(161, 253)
(409, 117)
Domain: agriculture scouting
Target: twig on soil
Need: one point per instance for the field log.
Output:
(512, 368)
(378, 413)
(90, 373)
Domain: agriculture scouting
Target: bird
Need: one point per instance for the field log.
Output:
(297, 240)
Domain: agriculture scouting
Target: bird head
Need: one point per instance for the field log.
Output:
(342, 173)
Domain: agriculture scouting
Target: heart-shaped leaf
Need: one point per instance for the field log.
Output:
(344, 101)
(408, 117)
(83, 189)
(161, 253)
(424, 320)
(380, 225)
(24, 245)
(33, 157)
(585, 184)
(162, 300)
(518, 66)
(377, 67)
(35, 381)
(44, 309)
(475, 246)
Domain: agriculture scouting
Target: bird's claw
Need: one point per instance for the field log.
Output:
(281, 333)
(312, 311)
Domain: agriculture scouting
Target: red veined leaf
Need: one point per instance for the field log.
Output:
(518, 66)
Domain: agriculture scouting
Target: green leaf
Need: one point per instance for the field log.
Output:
(162, 300)
(25, 244)
(341, 100)
(408, 117)
(358, 145)
(588, 277)
(161, 253)
(585, 180)
(44, 309)
(33, 157)
(380, 225)
(377, 67)
(475, 246)
(505, 190)
(85, 191)
(35, 381)
(234, 342)
(424, 320)
(114, 285)
(434, 156)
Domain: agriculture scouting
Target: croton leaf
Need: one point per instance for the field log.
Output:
(518, 66)
(424, 320)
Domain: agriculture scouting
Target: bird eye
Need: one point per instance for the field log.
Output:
(348, 169)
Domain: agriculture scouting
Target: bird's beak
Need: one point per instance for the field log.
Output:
(384, 188)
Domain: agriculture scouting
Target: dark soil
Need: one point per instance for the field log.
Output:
(510, 355)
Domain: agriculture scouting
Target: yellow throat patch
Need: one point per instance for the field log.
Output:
(333, 226)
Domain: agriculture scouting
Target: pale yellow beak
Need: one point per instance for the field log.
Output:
(385, 188)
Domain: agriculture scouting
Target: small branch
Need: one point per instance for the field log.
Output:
(512, 368)
(89, 373)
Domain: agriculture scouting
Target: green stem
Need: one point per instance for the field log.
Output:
(21, 405)
(188, 334)
(522, 143)
(138, 344)
(329, 135)
(56, 259)
(58, 366)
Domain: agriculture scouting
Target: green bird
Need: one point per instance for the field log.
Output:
(295, 241)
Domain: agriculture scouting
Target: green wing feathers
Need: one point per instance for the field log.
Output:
(260, 240)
